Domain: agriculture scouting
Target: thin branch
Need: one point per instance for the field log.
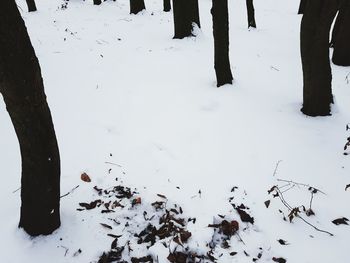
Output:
(16, 190)
(316, 228)
(277, 164)
(300, 184)
(312, 197)
(71, 191)
(285, 203)
(113, 164)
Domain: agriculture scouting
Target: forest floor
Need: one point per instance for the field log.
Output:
(140, 114)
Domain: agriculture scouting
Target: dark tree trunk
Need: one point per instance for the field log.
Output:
(251, 16)
(31, 5)
(341, 53)
(167, 5)
(302, 6)
(186, 12)
(22, 88)
(338, 21)
(97, 2)
(136, 6)
(222, 67)
(314, 38)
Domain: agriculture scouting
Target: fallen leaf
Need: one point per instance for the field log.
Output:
(84, 177)
(279, 260)
(136, 201)
(77, 252)
(282, 242)
(142, 259)
(340, 221)
(245, 217)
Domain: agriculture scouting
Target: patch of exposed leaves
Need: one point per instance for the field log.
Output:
(142, 225)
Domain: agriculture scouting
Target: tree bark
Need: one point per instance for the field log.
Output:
(166, 5)
(338, 21)
(222, 67)
(314, 43)
(341, 36)
(31, 5)
(251, 16)
(302, 6)
(22, 88)
(186, 12)
(137, 6)
(97, 2)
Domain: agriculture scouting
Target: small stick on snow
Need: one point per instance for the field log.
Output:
(300, 184)
(16, 190)
(71, 191)
(277, 164)
(114, 164)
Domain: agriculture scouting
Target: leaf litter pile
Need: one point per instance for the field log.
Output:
(142, 231)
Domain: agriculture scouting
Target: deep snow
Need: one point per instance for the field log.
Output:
(119, 84)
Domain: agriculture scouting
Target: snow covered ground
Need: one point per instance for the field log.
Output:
(122, 91)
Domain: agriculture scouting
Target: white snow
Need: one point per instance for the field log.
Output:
(121, 90)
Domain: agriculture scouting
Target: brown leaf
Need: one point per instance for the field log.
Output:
(142, 259)
(184, 236)
(282, 242)
(177, 257)
(84, 177)
(279, 260)
(136, 201)
(340, 221)
(91, 205)
(245, 217)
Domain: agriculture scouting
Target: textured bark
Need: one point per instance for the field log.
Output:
(341, 38)
(314, 38)
(137, 6)
(250, 12)
(222, 67)
(97, 2)
(31, 5)
(22, 88)
(166, 5)
(302, 6)
(186, 12)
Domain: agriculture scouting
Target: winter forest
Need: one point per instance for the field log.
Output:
(174, 131)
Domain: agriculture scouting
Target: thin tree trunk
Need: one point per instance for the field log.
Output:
(31, 5)
(186, 13)
(166, 5)
(302, 6)
(22, 88)
(97, 2)
(341, 42)
(250, 12)
(338, 21)
(137, 6)
(222, 67)
(314, 38)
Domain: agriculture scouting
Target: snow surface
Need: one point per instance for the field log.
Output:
(118, 84)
